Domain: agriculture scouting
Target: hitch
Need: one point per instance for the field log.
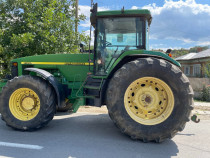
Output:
(194, 119)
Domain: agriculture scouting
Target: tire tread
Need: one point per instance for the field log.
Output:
(112, 108)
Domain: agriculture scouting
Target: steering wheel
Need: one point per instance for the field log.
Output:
(126, 48)
(108, 43)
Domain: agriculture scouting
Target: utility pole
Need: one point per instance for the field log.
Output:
(76, 16)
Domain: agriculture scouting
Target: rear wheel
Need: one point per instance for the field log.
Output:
(27, 103)
(149, 100)
(152, 101)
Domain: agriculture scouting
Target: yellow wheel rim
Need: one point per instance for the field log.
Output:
(24, 104)
(149, 101)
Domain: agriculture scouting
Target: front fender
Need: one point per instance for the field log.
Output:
(58, 87)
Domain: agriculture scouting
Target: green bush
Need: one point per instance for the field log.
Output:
(205, 94)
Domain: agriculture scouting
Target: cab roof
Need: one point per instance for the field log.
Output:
(145, 13)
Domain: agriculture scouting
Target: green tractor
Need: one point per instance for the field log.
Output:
(147, 95)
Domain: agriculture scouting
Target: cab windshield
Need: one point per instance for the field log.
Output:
(114, 37)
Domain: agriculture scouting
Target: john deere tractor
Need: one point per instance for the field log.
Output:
(147, 95)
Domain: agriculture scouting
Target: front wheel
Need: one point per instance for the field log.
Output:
(27, 103)
(152, 99)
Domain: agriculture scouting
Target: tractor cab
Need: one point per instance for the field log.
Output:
(117, 32)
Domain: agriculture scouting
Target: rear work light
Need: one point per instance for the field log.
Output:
(14, 64)
(14, 70)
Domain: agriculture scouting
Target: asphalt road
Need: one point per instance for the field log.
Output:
(84, 135)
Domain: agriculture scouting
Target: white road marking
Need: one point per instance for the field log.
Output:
(25, 146)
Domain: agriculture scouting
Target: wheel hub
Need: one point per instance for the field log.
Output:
(24, 104)
(146, 100)
(28, 103)
(149, 100)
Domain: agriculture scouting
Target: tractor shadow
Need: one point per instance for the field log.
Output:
(84, 135)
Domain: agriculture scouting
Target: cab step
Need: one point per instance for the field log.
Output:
(92, 87)
(92, 91)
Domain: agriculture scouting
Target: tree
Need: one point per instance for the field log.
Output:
(29, 27)
(198, 49)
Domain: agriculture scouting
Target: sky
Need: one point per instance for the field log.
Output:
(176, 23)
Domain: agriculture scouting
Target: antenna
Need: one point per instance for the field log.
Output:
(123, 9)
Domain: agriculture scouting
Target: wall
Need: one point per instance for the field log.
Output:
(197, 85)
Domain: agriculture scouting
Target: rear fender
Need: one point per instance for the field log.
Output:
(58, 87)
(132, 57)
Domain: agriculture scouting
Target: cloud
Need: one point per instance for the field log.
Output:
(185, 21)
(84, 9)
(134, 7)
(204, 43)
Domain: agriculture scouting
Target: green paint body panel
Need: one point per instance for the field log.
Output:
(71, 73)
(79, 102)
(2, 84)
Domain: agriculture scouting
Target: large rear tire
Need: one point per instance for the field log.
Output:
(27, 103)
(149, 99)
